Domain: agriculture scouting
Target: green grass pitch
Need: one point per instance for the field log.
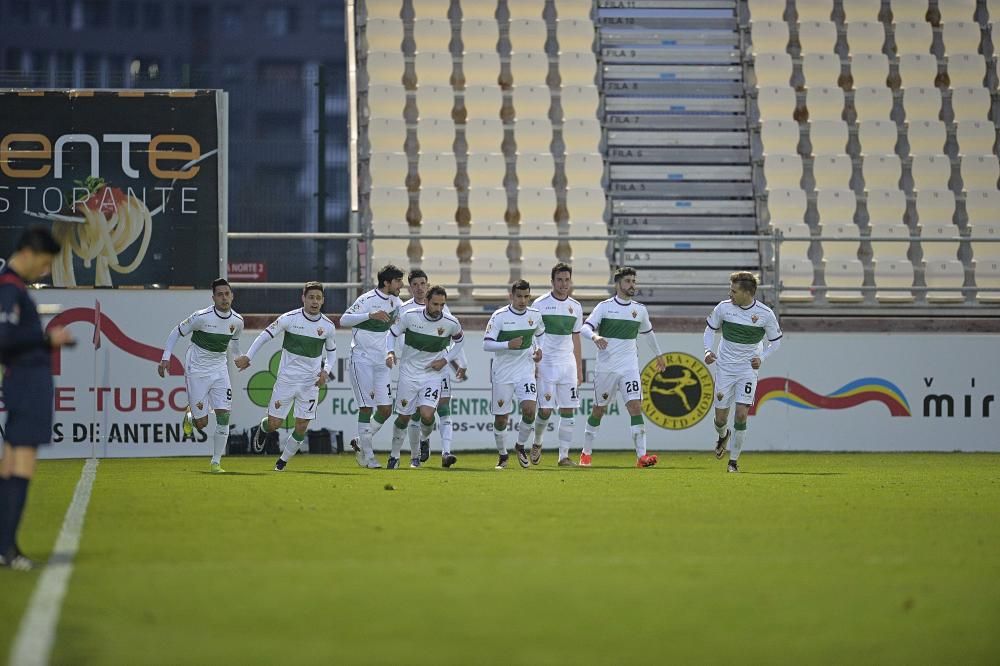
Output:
(801, 559)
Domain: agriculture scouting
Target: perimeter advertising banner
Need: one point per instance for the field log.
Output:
(835, 392)
(132, 182)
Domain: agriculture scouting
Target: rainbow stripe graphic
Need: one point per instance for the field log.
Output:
(866, 389)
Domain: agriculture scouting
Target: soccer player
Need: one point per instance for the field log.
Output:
(214, 332)
(512, 335)
(308, 353)
(560, 372)
(370, 317)
(27, 382)
(431, 340)
(613, 327)
(417, 280)
(745, 322)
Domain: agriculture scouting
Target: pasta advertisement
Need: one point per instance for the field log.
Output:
(131, 182)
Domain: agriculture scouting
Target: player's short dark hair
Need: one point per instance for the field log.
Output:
(745, 280)
(388, 273)
(220, 282)
(622, 272)
(436, 290)
(38, 239)
(318, 286)
(415, 274)
(561, 267)
(520, 285)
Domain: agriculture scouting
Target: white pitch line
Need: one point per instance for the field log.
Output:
(36, 636)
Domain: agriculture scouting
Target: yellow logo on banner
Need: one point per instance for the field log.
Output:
(681, 395)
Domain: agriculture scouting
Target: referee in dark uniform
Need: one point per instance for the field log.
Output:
(27, 381)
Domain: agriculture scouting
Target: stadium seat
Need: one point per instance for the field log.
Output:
(482, 102)
(383, 9)
(987, 274)
(484, 135)
(795, 277)
(817, 36)
(766, 10)
(481, 68)
(909, 10)
(886, 208)
(536, 203)
(486, 169)
(861, 10)
(926, 137)
(436, 135)
(794, 248)
(961, 37)
(426, 9)
(528, 35)
(922, 103)
(386, 101)
(825, 103)
(436, 252)
(487, 204)
(577, 68)
(985, 249)
(865, 37)
(385, 67)
(438, 204)
(975, 137)
(782, 171)
(821, 69)
(480, 35)
(828, 137)
(869, 69)
(524, 9)
(435, 101)
(961, 10)
(917, 70)
(582, 135)
(877, 137)
(433, 68)
(386, 135)
(982, 206)
(769, 36)
(388, 169)
(836, 206)
(584, 170)
(529, 69)
(937, 244)
(893, 279)
(813, 10)
(840, 250)
(535, 169)
(786, 206)
(575, 35)
(437, 169)
(967, 70)
(533, 136)
(772, 69)
(881, 171)
(585, 206)
(532, 101)
(432, 35)
(591, 276)
(479, 10)
(776, 103)
(490, 270)
(873, 103)
(536, 270)
(845, 277)
(930, 172)
(579, 10)
(942, 274)
(832, 171)
(970, 103)
(980, 172)
(495, 246)
(389, 205)
(894, 250)
(384, 34)
(913, 37)
(935, 208)
(779, 136)
(579, 101)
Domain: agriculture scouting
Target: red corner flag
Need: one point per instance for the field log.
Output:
(97, 324)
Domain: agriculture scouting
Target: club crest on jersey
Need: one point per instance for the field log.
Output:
(500, 403)
(604, 396)
(200, 405)
(319, 332)
(232, 328)
(571, 309)
(531, 322)
(372, 395)
(719, 396)
(754, 318)
(404, 402)
(277, 404)
(548, 396)
(634, 314)
(440, 330)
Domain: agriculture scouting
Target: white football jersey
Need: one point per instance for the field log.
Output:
(743, 330)
(620, 323)
(562, 319)
(425, 340)
(368, 337)
(305, 343)
(514, 365)
(462, 360)
(211, 333)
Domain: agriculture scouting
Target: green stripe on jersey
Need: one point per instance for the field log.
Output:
(376, 325)
(213, 342)
(559, 324)
(741, 333)
(424, 342)
(504, 336)
(303, 345)
(622, 329)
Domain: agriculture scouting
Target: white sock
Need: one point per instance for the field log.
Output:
(721, 429)
(541, 423)
(219, 442)
(365, 440)
(444, 427)
(425, 433)
(375, 425)
(589, 435)
(567, 424)
(398, 434)
(413, 432)
(498, 437)
(737, 445)
(524, 431)
(639, 439)
(291, 446)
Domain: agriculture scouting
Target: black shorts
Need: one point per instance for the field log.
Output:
(28, 398)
